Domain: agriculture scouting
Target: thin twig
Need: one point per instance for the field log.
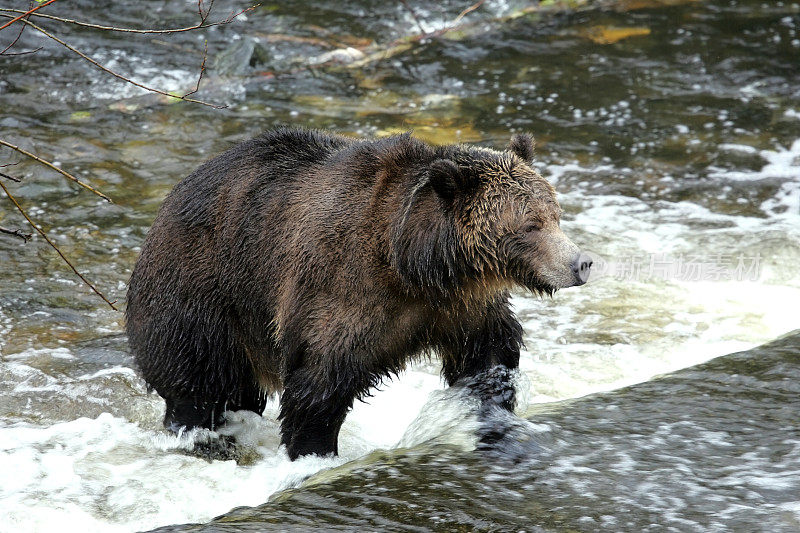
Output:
(12, 178)
(202, 70)
(204, 16)
(413, 15)
(233, 16)
(26, 13)
(22, 27)
(26, 52)
(19, 34)
(467, 11)
(16, 233)
(51, 165)
(51, 243)
(115, 74)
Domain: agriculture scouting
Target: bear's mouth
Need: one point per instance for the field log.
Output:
(541, 290)
(535, 284)
(524, 276)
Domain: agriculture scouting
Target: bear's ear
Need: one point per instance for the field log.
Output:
(522, 145)
(445, 178)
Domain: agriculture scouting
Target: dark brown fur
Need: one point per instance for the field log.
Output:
(315, 265)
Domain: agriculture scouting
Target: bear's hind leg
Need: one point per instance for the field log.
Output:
(192, 412)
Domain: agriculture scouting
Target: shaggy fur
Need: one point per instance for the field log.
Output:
(315, 265)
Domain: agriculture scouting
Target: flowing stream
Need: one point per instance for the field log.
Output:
(663, 395)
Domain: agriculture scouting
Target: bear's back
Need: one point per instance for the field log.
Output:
(252, 168)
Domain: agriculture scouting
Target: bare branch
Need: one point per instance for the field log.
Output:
(26, 52)
(5, 51)
(200, 10)
(202, 24)
(16, 233)
(115, 74)
(51, 165)
(12, 178)
(26, 13)
(467, 11)
(19, 34)
(51, 243)
(204, 16)
(24, 17)
(202, 70)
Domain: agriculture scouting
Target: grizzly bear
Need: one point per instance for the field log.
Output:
(315, 265)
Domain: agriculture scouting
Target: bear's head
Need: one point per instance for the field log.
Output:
(486, 216)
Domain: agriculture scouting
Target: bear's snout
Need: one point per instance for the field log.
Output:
(581, 267)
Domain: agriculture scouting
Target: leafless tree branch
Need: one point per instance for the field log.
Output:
(25, 14)
(19, 34)
(202, 24)
(23, 53)
(16, 233)
(113, 73)
(467, 11)
(52, 166)
(41, 232)
(202, 70)
(12, 178)
(23, 17)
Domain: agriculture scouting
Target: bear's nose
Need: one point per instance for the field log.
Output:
(581, 267)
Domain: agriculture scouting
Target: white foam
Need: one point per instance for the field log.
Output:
(5, 327)
(781, 163)
(738, 148)
(109, 474)
(112, 474)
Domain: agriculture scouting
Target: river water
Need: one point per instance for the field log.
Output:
(671, 131)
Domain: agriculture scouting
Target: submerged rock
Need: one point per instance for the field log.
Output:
(240, 56)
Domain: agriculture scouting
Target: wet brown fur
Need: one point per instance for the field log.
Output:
(316, 265)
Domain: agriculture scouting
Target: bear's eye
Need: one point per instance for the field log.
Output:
(530, 227)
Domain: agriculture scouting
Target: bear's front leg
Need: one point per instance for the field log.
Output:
(313, 407)
(483, 353)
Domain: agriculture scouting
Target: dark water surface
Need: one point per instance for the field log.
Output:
(671, 131)
(712, 448)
